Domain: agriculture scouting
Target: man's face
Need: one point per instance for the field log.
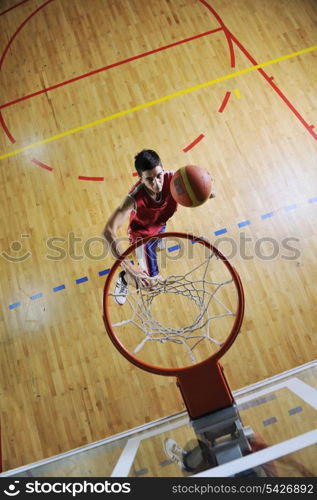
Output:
(153, 179)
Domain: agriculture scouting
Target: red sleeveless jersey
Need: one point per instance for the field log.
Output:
(149, 215)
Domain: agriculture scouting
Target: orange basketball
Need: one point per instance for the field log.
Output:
(191, 186)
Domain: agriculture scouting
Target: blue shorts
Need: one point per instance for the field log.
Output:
(146, 255)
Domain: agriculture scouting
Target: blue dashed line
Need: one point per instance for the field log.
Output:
(270, 421)
(257, 402)
(267, 216)
(36, 296)
(175, 247)
(201, 236)
(164, 463)
(172, 249)
(13, 306)
(105, 271)
(140, 472)
(290, 207)
(293, 411)
(81, 280)
(244, 223)
(220, 231)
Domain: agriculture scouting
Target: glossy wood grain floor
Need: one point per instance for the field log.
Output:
(84, 87)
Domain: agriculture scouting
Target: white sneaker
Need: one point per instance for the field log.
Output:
(174, 452)
(121, 289)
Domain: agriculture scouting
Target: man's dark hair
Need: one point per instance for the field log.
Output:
(146, 160)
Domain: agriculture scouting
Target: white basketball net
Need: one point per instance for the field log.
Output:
(201, 291)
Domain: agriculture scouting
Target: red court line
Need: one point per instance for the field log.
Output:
(6, 130)
(40, 164)
(109, 66)
(192, 144)
(269, 79)
(84, 178)
(4, 53)
(19, 29)
(226, 32)
(14, 7)
(224, 102)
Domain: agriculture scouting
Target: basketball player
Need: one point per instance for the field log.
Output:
(149, 205)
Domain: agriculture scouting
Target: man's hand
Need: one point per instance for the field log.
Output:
(137, 277)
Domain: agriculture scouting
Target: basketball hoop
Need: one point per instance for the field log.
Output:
(200, 290)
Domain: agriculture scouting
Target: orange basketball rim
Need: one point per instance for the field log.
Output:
(203, 385)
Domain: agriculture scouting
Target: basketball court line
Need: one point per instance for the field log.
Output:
(304, 391)
(105, 68)
(160, 100)
(126, 459)
(118, 63)
(232, 39)
(96, 444)
(301, 389)
(268, 215)
(4, 53)
(104, 272)
(244, 223)
(13, 7)
(194, 143)
(90, 178)
(293, 444)
(41, 164)
(6, 129)
(129, 452)
(225, 30)
(262, 457)
(286, 209)
(224, 102)
(219, 232)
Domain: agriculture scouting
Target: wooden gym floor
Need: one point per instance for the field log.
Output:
(84, 87)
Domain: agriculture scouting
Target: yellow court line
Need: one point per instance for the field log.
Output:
(157, 101)
(188, 187)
